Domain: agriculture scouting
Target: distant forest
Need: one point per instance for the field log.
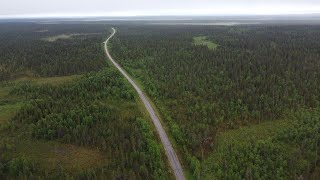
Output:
(255, 74)
(26, 50)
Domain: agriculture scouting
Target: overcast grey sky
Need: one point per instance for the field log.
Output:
(154, 7)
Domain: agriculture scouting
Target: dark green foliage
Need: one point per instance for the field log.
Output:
(21, 166)
(98, 110)
(153, 148)
(262, 159)
(304, 135)
(258, 73)
(18, 168)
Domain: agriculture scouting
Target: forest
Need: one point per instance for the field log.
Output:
(65, 113)
(25, 50)
(255, 74)
(238, 102)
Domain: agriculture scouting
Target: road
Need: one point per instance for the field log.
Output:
(171, 154)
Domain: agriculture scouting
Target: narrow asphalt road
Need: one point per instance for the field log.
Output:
(171, 154)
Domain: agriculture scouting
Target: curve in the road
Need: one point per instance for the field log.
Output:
(171, 154)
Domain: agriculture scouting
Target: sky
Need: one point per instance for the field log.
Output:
(54, 8)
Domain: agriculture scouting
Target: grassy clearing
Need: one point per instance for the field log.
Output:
(49, 80)
(8, 105)
(51, 155)
(247, 134)
(42, 31)
(251, 133)
(66, 36)
(244, 135)
(202, 41)
(8, 111)
(58, 37)
(4, 91)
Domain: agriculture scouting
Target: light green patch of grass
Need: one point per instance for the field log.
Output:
(61, 36)
(52, 154)
(246, 135)
(66, 36)
(8, 111)
(274, 45)
(251, 133)
(202, 41)
(42, 31)
(4, 91)
(49, 80)
(8, 105)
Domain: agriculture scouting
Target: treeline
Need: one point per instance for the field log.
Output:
(258, 73)
(99, 111)
(25, 52)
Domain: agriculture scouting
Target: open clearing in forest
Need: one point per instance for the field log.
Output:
(67, 36)
(8, 105)
(58, 37)
(202, 41)
(48, 80)
(42, 31)
(8, 111)
(246, 135)
(252, 132)
(52, 154)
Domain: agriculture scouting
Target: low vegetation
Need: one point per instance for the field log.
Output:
(67, 36)
(202, 41)
(55, 38)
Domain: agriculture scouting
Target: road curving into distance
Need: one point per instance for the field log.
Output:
(171, 154)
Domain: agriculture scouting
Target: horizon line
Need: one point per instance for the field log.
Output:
(147, 15)
(150, 14)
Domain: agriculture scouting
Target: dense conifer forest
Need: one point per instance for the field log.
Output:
(255, 74)
(88, 126)
(238, 102)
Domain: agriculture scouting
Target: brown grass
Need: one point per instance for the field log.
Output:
(52, 154)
